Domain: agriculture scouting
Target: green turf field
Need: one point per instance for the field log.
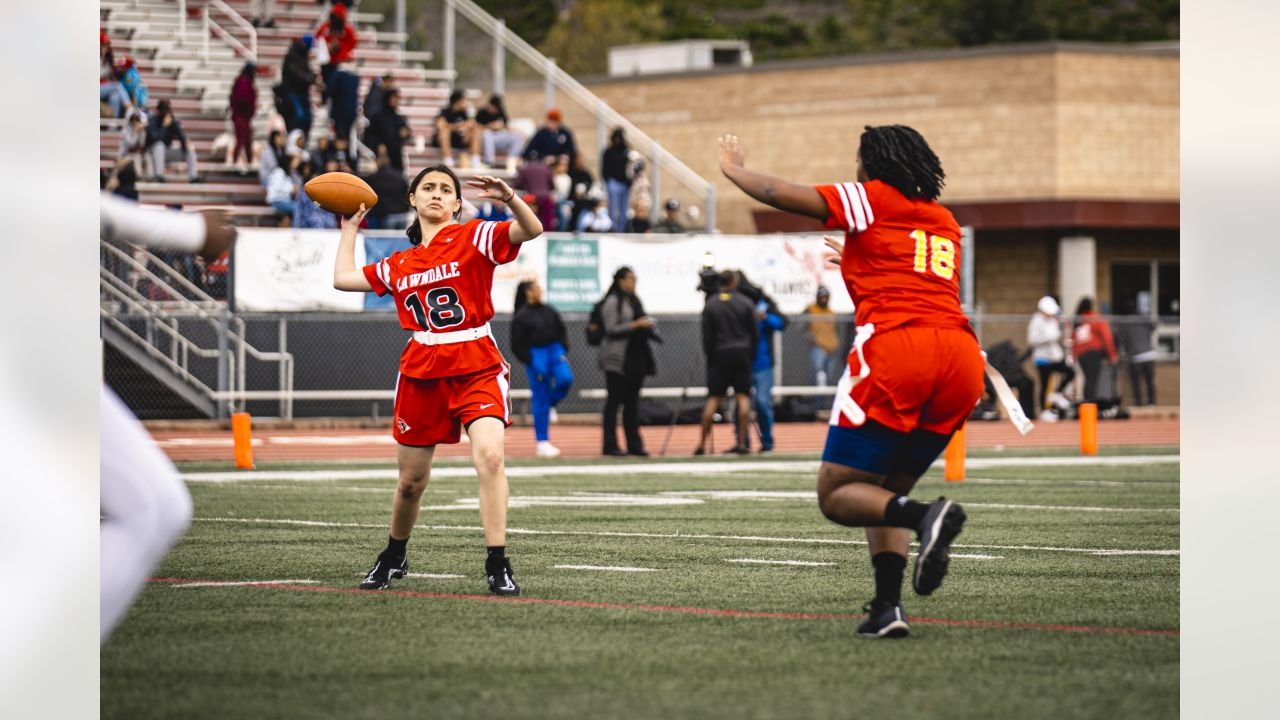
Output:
(1060, 569)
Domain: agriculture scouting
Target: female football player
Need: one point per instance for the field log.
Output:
(452, 376)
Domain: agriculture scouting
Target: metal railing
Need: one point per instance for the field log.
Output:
(176, 298)
(557, 79)
(250, 51)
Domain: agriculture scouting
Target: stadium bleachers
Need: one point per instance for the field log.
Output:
(172, 61)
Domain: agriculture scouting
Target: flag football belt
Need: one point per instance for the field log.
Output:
(1010, 403)
(450, 338)
(845, 404)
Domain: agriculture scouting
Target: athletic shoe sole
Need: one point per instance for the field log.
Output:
(942, 525)
(897, 628)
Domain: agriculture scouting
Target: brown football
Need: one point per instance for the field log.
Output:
(340, 193)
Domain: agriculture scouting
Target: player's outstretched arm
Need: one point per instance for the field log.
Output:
(527, 225)
(346, 276)
(770, 190)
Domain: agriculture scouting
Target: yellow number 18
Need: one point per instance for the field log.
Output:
(934, 253)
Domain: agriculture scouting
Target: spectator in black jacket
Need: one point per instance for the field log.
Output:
(613, 168)
(294, 91)
(389, 129)
(456, 129)
(393, 197)
(538, 340)
(729, 339)
(162, 132)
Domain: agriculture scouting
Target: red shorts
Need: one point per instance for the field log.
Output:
(923, 378)
(433, 412)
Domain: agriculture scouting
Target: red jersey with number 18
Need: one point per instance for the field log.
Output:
(901, 259)
(446, 285)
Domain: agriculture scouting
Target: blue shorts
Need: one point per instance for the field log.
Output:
(878, 449)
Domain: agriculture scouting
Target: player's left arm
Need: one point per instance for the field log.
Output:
(770, 190)
(527, 226)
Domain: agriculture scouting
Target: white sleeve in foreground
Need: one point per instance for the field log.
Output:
(160, 229)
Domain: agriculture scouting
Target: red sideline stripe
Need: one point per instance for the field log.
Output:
(717, 612)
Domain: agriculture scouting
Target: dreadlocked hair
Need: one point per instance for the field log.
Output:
(414, 231)
(899, 156)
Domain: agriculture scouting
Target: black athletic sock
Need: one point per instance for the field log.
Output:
(904, 512)
(395, 548)
(890, 568)
(496, 554)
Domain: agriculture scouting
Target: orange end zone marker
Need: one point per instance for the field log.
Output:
(953, 458)
(1088, 429)
(240, 435)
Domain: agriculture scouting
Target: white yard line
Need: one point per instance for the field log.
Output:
(978, 557)
(434, 576)
(804, 563)
(687, 536)
(247, 582)
(1010, 506)
(606, 568)
(677, 468)
(683, 497)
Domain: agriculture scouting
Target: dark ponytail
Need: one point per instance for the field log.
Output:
(522, 292)
(415, 228)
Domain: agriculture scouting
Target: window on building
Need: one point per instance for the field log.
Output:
(1145, 287)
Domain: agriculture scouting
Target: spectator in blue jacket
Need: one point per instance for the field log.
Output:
(769, 320)
(553, 138)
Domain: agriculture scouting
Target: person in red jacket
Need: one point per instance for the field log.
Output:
(1092, 342)
(339, 34)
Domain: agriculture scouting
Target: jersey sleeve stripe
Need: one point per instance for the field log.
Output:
(384, 272)
(866, 202)
(844, 200)
(859, 217)
(489, 228)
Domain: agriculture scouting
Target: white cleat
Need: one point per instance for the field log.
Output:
(547, 450)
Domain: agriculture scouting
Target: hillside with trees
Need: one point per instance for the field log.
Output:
(578, 33)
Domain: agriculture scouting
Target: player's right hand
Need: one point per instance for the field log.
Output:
(218, 234)
(357, 218)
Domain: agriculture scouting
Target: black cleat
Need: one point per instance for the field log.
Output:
(884, 620)
(500, 580)
(384, 570)
(940, 526)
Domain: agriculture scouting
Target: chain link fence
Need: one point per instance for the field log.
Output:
(345, 365)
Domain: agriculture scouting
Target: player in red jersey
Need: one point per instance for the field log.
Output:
(915, 371)
(452, 375)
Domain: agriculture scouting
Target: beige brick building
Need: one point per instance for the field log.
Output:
(1040, 143)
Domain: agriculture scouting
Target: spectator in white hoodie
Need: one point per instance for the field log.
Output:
(1044, 335)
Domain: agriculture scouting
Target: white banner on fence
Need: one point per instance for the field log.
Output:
(289, 270)
(788, 267)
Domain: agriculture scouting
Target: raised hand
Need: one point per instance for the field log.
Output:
(492, 188)
(731, 152)
(357, 218)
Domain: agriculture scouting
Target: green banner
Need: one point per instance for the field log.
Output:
(573, 274)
